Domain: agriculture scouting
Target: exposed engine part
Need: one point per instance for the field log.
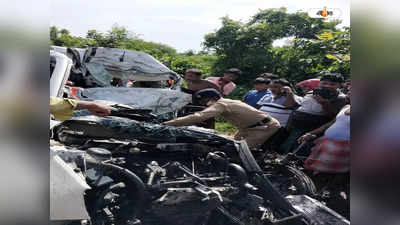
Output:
(192, 178)
(155, 172)
(100, 154)
(106, 204)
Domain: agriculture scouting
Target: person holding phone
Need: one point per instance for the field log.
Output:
(315, 110)
(279, 105)
(282, 95)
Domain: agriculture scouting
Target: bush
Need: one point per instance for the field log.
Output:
(239, 92)
(225, 128)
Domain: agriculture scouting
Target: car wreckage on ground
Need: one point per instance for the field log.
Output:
(127, 168)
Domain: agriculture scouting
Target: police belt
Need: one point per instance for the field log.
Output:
(261, 123)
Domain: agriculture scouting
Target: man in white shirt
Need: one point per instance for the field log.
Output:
(281, 103)
(315, 110)
(282, 94)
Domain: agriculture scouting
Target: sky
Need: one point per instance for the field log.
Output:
(180, 24)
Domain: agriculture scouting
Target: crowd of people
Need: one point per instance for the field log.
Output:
(313, 122)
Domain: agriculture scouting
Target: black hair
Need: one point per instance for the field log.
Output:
(196, 72)
(326, 93)
(234, 71)
(270, 76)
(261, 80)
(332, 77)
(282, 82)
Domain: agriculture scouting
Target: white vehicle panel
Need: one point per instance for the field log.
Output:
(66, 191)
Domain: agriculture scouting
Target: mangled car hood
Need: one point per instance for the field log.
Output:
(106, 63)
(159, 100)
(116, 127)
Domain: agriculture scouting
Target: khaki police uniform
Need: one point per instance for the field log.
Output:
(62, 108)
(247, 119)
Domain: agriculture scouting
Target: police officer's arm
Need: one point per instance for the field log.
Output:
(62, 108)
(210, 112)
(94, 108)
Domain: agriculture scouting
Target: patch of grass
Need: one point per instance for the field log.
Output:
(225, 128)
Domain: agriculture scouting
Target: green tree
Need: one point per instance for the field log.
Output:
(308, 58)
(53, 34)
(62, 37)
(248, 46)
(202, 62)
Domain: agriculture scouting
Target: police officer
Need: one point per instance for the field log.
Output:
(253, 125)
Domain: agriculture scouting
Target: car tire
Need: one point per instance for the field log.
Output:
(289, 180)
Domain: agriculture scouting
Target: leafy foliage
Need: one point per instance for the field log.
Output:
(317, 46)
(202, 62)
(225, 128)
(307, 58)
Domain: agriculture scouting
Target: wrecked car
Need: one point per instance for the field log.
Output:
(127, 168)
